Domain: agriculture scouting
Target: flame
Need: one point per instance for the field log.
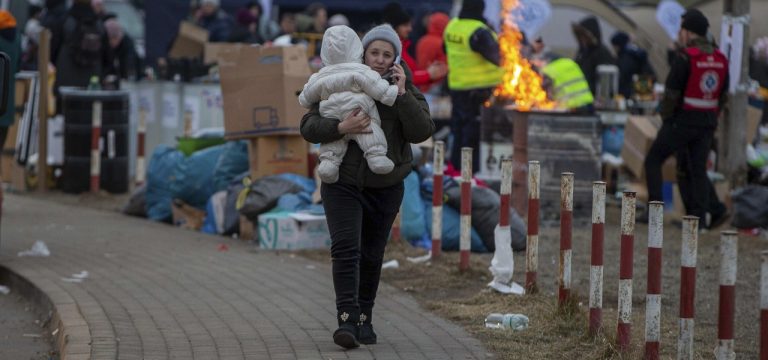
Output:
(520, 82)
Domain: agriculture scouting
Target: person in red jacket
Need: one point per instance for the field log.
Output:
(396, 16)
(429, 49)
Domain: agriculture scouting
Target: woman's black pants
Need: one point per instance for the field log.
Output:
(359, 221)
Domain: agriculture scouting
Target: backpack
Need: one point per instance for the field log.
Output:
(86, 43)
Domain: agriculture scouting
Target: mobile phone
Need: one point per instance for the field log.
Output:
(388, 75)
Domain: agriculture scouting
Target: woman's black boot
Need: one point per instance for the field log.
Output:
(347, 333)
(367, 336)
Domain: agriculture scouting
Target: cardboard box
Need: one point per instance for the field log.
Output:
(213, 51)
(260, 88)
(277, 154)
(753, 121)
(247, 230)
(289, 231)
(639, 134)
(190, 41)
(187, 217)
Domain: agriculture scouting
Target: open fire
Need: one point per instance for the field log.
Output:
(521, 83)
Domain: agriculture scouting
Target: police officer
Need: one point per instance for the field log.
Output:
(568, 85)
(472, 51)
(696, 89)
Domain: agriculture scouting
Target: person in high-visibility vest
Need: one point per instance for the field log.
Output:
(568, 86)
(473, 62)
(695, 92)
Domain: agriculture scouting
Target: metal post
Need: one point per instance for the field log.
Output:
(532, 241)
(596, 270)
(140, 147)
(653, 294)
(43, 58)
(95, 150)
(733, 163)
(728, 265)
(764, 305)
(466, 208)
(438, 159)
(624, 329)
(566, 233)
(687, 286)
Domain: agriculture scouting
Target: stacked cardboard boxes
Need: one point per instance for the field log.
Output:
(260, 88)
(639, 134)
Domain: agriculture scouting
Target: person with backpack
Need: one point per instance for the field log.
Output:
(632, 60)
(79, 48)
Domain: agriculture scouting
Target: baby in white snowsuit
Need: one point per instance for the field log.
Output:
(344, 85)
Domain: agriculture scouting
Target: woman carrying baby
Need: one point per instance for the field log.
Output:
(361, 205)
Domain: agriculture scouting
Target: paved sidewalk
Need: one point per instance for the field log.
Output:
(157, 292)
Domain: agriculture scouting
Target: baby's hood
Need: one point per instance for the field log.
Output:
(341, 45)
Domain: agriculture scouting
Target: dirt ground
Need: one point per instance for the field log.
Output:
(465, 299)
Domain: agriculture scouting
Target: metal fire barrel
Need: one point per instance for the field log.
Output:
(560, 141)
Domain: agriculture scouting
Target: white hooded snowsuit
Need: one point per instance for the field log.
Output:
(343, 86)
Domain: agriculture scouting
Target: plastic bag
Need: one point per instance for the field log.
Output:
(486, 205)
(193, 177)
(412, 226)
(261, 195)
(750, 206)
(214, 213)
(452, 229)
(159, 178)
(232, 162)
(137, 204)
(231, 215)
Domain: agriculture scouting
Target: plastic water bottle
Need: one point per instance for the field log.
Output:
(515, 322)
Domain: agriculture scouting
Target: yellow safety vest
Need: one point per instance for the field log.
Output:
(570, 86)
(468, 69)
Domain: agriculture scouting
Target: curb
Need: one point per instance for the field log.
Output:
(71, 334)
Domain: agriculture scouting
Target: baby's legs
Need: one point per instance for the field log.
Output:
(374, 146)
(330, 157)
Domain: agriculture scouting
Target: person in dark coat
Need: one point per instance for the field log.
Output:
(126, 62)
(591, 51)
(218, 23)
(247, 28)
(695, 91)
(79, 48)
(632, 60)
(361, 206)
(10, 44)
(54, 14)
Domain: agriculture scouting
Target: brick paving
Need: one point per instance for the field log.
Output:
(158, 292)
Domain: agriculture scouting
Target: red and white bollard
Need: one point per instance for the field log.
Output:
(596, 270)
(141, 167)
(532, 241)
(687, 286)
(764, 305)
(624, 328)
(95, 151)
(465, 239)
(653, 295)
(728, 265)
(566, 233)
(438, 159)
